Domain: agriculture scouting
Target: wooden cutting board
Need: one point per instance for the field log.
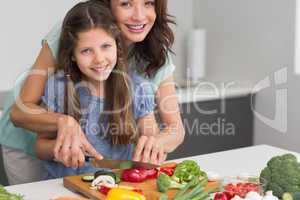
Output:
(74, 183)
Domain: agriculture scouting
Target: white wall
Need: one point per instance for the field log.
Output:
(250, 40)
(23, 25)
(183, 11)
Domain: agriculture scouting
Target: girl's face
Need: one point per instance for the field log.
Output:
(135, 18)
(95, 54)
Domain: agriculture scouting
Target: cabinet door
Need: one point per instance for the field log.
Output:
(215, 125)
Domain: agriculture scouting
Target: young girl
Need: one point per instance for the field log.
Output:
(91, 85)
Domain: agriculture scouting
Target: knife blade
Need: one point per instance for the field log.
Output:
(118, 164)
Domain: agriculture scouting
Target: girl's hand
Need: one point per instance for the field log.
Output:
(149, 149)
(71, 144)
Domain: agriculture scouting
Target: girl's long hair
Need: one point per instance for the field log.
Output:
(155, 47)
(117, 107)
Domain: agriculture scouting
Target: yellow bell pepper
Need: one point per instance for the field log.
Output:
(124, 194)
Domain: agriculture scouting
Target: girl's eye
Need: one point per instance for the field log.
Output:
(150, 3)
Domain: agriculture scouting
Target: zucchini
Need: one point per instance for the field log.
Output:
(87, 178)
(107, 173)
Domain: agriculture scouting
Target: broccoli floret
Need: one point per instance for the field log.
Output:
(164, 182)
(282, 174)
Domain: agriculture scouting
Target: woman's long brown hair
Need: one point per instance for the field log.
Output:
(83, 17)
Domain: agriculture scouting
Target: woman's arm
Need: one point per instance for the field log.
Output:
(153, 147)
(173, 133)
(26, 112)
(44, 146)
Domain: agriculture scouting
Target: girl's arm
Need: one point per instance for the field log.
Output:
(44, 147)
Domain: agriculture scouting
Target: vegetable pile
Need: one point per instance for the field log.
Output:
(282, 174)
(5, 195)
(187, 170)
(187, 177)
(180, 175)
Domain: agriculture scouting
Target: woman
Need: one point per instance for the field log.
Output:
(144, 27)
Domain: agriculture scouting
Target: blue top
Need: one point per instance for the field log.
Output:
(91, 107)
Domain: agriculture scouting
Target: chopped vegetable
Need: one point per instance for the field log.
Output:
(138, 175)
(269, 196)
(105, 172)
(167, 170)
(150, 173)
(5, 195)
(282, 174)
(187, 170)
(164, 182)
(287, 196)
(220, 196)
(163, 197)
(241, 188)
(186, 187)
(115, 176)
(124, 194)
(193, 190)
(253, 196)
(133, 175)
(103, 180)
(87, 178)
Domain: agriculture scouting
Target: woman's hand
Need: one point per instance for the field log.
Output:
(71, 144)
(150, 149)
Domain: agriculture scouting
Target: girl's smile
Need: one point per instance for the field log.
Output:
(95, 54)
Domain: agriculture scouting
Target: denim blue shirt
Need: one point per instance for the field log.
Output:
(91, 107)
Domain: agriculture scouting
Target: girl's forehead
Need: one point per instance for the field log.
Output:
(94, 33)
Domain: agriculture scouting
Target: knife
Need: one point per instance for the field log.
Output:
(119, 164)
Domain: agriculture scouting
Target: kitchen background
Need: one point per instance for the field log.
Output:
(248, 43)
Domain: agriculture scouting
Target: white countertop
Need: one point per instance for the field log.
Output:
(227, 163)
(209, 90)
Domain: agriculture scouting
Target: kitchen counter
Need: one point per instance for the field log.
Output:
(210, 90)
(227, 163)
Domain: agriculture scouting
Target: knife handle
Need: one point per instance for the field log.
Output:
(88, 158)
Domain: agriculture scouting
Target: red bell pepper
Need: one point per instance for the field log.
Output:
(167, 170)
(104, 189)
(220, 196)
(138, 175)
(133, 175)
(151, 173)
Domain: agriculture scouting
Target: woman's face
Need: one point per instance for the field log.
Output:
(135, 18)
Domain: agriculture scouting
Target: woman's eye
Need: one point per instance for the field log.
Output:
(86, 51)
(125, 4)
(106, 46)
